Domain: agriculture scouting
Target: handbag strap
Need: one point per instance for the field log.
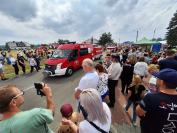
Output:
(98, 128)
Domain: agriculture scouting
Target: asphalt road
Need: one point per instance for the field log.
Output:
(62, 88)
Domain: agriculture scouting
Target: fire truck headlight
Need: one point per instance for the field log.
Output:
(59, 66)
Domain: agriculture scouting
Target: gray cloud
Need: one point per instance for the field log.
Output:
(111, 2)
(63, 27)
(6, 32)
(19, 9)
(85, 18)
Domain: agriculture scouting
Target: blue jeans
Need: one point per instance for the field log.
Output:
(129, 103)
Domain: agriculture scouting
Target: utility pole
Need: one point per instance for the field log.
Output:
(137, 32)
(154, 33)
(92, 39)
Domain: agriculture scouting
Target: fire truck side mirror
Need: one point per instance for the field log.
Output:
(70, 58)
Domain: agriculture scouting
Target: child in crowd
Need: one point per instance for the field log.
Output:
(152, 68)
(136, 92)
(67, 112)
(152, 85)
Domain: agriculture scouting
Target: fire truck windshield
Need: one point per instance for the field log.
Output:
(61, 53)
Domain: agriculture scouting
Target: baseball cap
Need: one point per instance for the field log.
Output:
(168, 75)
(66, 110)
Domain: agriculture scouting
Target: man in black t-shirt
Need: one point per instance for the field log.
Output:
(158, 111)
(126, 76)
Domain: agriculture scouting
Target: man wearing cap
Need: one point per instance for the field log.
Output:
(158, 111)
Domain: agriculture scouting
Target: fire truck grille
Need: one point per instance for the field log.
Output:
(50, 68)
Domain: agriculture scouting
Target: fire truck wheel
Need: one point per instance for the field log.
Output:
(69, 72)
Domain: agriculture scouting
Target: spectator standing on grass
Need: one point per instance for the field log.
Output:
(136, 92)
(114, 72)
(2, 59)
(37, 59)
(126, 76)
(140, 67)
(89, 80)
(4, 54)
(14, 64)
(21, 62)
(2, 71)
(158, 111)
(31, 121)
(102, 86)
(32, 63)
(97, 116)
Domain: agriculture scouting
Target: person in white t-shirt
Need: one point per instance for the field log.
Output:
(97, 116)
(13, 61)
(89, 80)
(140, 67)
(2, 76)
(32, 63)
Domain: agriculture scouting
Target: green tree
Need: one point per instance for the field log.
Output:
(61, 41)
(157, 39)
(7, 47)
(32, 46)
(105, 38)
(171, 35)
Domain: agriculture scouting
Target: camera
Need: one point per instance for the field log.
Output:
(39, 87)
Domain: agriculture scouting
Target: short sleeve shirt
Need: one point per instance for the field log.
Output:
(102, 86)
(136, 92)
(161, 113)
(32, 121)
(89, 80)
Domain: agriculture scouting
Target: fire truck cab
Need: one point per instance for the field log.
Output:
(67, 58)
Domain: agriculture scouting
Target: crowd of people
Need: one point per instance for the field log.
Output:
(19, 60)
(148, 82)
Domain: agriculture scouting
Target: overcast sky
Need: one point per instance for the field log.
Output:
(37, 21)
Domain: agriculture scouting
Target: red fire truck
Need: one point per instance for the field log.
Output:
(67, 58)
(97, 52)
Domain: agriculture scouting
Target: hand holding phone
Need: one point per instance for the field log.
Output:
(43, 89)
(47, 90)
(39, 88)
